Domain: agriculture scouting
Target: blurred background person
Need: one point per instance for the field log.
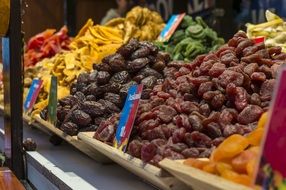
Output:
(242, 8)
(123, 7)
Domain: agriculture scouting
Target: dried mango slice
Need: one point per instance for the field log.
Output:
(68, 72)
(83, 30)
(70, 78)
(70, 60)
(63, 92)
(41, 105)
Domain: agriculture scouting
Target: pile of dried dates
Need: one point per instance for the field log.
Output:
(199, 104)
(95, 96)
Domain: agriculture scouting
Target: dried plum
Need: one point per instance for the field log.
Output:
(120, 77)
(249, 114)
(102, 77)
(93, 108)
(81, 118)
(69, 128)
(149, 82)
(114, 98)
(137, 64)
(92, 76)
(141, 52)
(117, 63)
(127, 49)
(109, 106)
(124, 90)
(29, 144)
(154, 49)
(147, 71)
(83, 78)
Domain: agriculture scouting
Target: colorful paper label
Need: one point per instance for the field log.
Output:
(171, 27)
(32, 94)
(127, 117)
(272, 169)
(53, 100)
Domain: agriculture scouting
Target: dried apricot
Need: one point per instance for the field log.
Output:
(239, 163)
(262, 120)
(230, 147)
(255, 136)
(250, 167)
(238, 178)
(222, 167)
(210, 168)
(196, 163)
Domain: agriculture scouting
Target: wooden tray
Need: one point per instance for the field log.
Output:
(147, 172)
(197, 179)
(73, 140)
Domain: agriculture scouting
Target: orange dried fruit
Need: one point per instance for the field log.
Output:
(255, 136)
(196, 163)
(250, 167)
(262, 120)
(230, 147)
(255, 149)
(239, 163)
(221, 167)
(237, 178)
(210, 168)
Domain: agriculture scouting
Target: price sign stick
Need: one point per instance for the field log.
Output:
(127, 117)
(53, 99)
(32, 95)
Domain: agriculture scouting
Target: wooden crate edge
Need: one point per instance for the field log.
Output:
(198, 179)
(74, 141)
(147, 172)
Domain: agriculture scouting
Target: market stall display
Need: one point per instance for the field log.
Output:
(140, 23)
(90, 46)
(273, 30)
(193, 37)
(43, 45)
(200, 104)
(95, 96)
(203, 105)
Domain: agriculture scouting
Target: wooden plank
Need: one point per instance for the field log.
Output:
(197, 179)
(73, 140)
(147, 172)
(8, 180)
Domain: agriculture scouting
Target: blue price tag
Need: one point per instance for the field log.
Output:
(32, 94)
(171, 27)
(127, 117)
